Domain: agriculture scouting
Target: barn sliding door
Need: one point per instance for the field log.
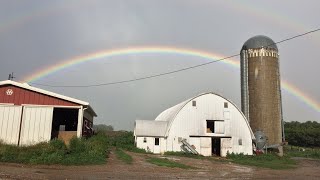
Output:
(36, 125)
(10, 123)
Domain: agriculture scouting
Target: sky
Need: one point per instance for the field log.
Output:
(37, 34)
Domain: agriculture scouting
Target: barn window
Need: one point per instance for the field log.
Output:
(225, 105)
(156, 141)
(240, 141)
(215, 126)
(210, 126)
(144, 140)
(194, 103)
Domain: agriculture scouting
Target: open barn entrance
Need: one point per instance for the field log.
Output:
(64, 123)
(216, 146)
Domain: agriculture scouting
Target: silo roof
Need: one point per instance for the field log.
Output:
(259, 42)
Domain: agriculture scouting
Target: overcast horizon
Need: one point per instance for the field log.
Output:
(36, 34)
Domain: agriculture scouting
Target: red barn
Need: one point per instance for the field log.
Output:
(29, 115)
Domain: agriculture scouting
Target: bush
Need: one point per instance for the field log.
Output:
(125, 140)
(80, 151)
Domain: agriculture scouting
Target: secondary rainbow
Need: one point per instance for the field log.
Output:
(288, 87)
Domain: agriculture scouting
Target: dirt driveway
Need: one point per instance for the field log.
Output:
(140, 169)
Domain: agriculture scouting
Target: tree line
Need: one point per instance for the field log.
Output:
(306, 134)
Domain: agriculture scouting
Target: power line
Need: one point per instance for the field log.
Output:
(175, 71)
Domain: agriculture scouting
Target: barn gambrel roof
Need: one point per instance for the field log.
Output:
(170, 114)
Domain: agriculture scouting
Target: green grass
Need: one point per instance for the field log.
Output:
(123, 156)
(294, 151)
(79, 152)
(184, 154)
(168, 163)
(271, 161)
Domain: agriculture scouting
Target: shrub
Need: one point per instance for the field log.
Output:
(93, 150)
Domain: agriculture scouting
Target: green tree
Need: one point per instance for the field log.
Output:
(305, 134)
(102, 128)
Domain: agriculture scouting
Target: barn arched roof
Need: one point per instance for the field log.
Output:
(170, 114)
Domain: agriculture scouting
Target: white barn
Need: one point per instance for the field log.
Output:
(206, 124)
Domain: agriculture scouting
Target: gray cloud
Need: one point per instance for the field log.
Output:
(48, 32)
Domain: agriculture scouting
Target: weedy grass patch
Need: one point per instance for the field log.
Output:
(123, 156)
(295, 151)
(93, 150)
(125, 141)
(271, 161)
(168, 163)
(184, 154)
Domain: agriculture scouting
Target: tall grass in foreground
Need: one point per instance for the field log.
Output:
(80, 151)
(271, 161)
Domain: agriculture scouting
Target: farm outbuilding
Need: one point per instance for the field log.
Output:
(207, 124)
(29, 115)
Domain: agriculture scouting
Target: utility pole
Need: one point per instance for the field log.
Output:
(11, 77)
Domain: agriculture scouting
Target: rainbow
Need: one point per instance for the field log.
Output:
(288, 87)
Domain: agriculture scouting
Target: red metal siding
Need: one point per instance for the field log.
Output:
(24, 96)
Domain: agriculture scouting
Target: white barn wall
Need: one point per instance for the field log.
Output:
(185, 120)
(80, 121)
(10, 123)
(192, 121)
(163, 144)
(150, 144)
(36, 125)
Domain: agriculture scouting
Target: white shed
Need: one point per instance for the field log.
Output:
(206, 124)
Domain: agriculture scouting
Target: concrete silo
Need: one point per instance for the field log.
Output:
(260, 87)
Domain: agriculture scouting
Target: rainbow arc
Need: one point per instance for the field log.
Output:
(101, 55)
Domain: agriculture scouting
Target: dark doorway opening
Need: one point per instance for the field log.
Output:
(210, 126)
(216, 146)
(64, 120)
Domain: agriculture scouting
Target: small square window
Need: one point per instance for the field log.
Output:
(194, 103)
(240, 141)
(156, 141)
(225, 105)
(145, 140)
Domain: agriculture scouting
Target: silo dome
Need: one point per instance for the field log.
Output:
(258, 42)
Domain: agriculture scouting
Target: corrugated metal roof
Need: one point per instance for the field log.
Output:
(150, 128)
(170, 114)
(163, 122)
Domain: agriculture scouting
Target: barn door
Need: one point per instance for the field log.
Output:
(36, 125)
(156, 148)
(10, 123)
